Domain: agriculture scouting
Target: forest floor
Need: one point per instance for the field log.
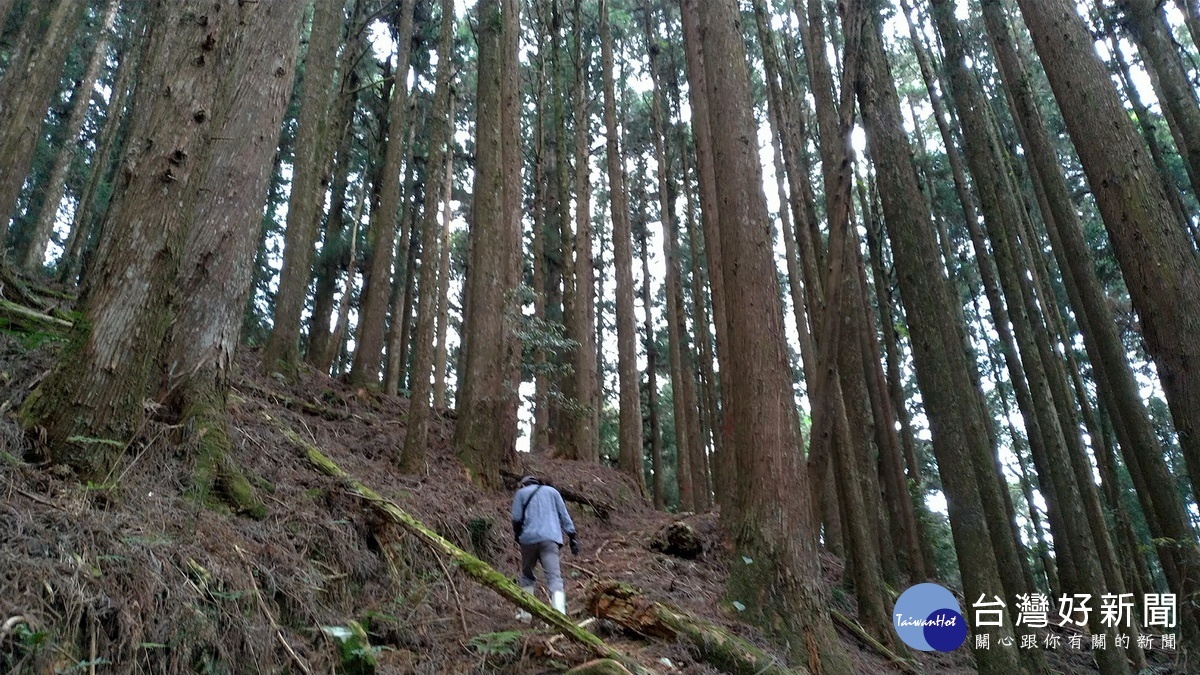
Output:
(132, 575)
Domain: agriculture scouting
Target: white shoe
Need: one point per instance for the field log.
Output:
(559, 598)
(522, 615)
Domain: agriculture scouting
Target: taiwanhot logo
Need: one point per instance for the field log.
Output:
(927, 617)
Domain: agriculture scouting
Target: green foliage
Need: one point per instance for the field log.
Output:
(502, 643)
(22, 642)
(357, 655)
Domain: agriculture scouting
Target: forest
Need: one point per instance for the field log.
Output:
(799, 304)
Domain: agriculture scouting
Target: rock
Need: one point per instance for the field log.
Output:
(678, 539)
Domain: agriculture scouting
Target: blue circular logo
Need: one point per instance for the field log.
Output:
(927, 617)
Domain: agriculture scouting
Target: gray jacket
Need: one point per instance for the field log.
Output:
(539, 514)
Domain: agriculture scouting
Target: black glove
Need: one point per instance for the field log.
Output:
(574, 544)
(517, 527)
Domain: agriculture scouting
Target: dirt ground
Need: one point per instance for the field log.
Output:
(132, 575)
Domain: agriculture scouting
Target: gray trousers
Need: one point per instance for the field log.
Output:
(546, 552)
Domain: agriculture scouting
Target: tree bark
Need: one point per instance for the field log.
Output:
(307, 198)
(441, 118)
(38, 239)
(710, 215)
(943, 373)
(629, 433)
(485, 437)
(381, 236)
(164, 310)
(768, 515)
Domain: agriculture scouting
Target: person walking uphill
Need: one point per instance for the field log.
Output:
(539, 518)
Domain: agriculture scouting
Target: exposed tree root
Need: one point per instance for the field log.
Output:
(630, 608)
(216, 474)
(472, 566)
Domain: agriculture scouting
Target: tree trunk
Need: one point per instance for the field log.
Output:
(709, 208)
(101, 163)
(319, 351)
(35, 244)
(692, 494)
(29, 84)
(368, 352)
(768, 515)
(540, 438)
(1147, 24)
(443, 292)
(441, 122)
(341, 324)
(650, 344)
(587, 394)
(165, 308)
(943, 373)
(1116, 385)
(1154, 253)
(629, 433)
(307, 199)
(485, 436)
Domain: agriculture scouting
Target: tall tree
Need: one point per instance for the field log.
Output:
(29, 83)
(943, 373)
(587, 393)
(1146, 22)
(485, 437)
(381, 236)
(768, 514)
(1117, 388)
(629, 432)
(307, 198)
(1155, 256)
(43, 227)
(163, 311)
(441, 118)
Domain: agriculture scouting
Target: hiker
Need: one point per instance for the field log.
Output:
(539, 518)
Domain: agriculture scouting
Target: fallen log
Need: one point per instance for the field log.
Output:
(629, 607)
(474, 567)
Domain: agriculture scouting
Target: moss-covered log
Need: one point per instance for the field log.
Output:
(472, 566)
(631, 608)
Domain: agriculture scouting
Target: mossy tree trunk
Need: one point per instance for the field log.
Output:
(164, 306)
